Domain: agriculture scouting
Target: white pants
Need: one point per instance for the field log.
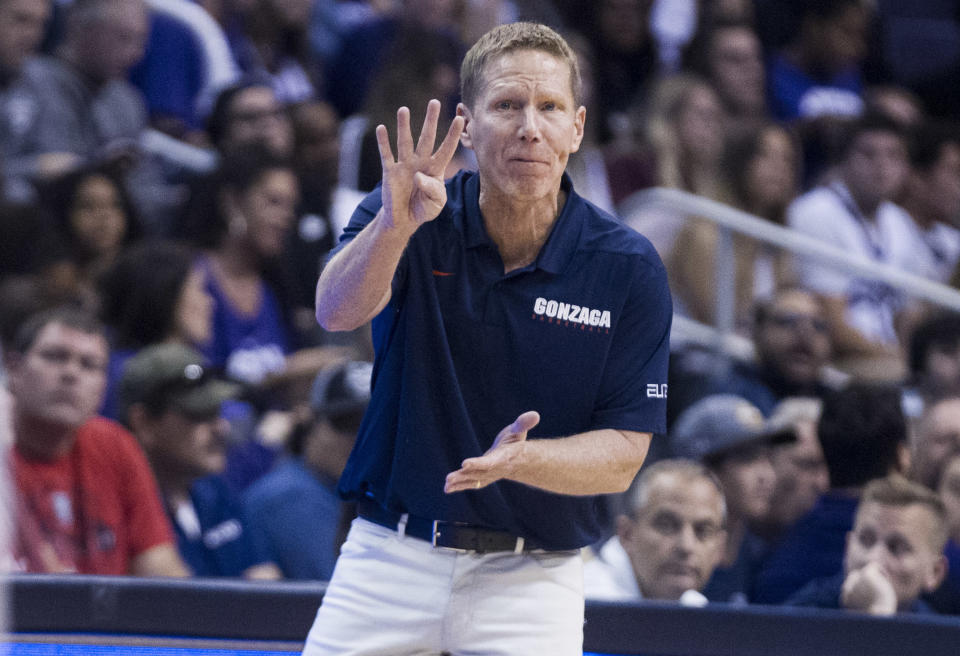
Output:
(395, 596)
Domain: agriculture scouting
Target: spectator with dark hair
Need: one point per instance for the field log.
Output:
(863, 435)
(683, 130)
(729, 54)
(792, 346)
(818, 72)
(893, 555)
(324, 210)
(83, 109)
(244, 223)
(367, 48)
(856, 212)
(22, 24)
(728, 434)
(815, 81)
(270, 38)
(154, 293)
(931, 196)
(761, 167)
(86, 499)
(93, 212)
(626, 57)
(171, 402)
(249, 113)
(669, 539)
(935, 439)
(934, 356)
(422, 66)
(801, 472)
(296, 505)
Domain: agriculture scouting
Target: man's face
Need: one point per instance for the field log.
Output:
(736, 61)
(187, 447)
(523, 125)
(801, 475)
(60, 380)
(21, 29)
(898, 539)
(677, 539)
(935, 440)
(122, 33)
(940, 185)
(949, 491)
(257, 117)
(748, 479)
(842, 39)
(876, 166)
(794, 339)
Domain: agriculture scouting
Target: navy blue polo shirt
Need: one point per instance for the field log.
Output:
(581, 336)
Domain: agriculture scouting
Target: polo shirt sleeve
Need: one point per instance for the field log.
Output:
(633, 392)
(140, 497)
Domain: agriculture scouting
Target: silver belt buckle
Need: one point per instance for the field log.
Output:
(435, 533)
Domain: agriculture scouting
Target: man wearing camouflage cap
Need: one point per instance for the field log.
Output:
(171, 401)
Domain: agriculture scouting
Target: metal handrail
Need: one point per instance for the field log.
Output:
(730, 219)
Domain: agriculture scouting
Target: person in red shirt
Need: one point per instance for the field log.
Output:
(86, 501)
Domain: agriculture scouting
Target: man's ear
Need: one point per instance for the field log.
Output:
(625, 526)
(938, 573)
(579, 122)
(139, 421)
(465, 139)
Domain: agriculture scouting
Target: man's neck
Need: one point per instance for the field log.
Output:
(41, 439)
(914, 207)
(867, 203)
(519, 229)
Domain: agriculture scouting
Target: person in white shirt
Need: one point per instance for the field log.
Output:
(669, 540)
(855, 212)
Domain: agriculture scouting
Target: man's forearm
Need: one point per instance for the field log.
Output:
(596, 462)
(355, 284)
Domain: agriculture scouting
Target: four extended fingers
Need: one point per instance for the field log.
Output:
(428, 134)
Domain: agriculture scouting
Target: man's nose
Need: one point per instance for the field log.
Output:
(530, 124)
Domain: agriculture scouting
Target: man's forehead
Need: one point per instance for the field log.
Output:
(911, 521)
(57, 333)
(525, 63)
(684, 495)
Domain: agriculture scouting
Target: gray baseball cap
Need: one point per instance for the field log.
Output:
(720, 424)
(173, 376)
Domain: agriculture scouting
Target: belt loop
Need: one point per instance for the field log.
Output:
(518, 548)
(402, 524)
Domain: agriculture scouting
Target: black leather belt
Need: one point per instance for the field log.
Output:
(445, 535)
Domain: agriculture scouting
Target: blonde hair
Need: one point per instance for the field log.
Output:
(508, 38)
(895, 490)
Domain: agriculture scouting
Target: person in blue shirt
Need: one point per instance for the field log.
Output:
(521, 342)
(171, 402)
(894, 553)
(295, 505)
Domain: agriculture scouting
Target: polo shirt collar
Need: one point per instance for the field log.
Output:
(560, 245)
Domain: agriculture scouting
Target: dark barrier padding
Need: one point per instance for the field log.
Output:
(216, 608)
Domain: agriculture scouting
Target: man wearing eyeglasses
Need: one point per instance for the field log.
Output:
(793, 345)
(86, 501)
(171, 401)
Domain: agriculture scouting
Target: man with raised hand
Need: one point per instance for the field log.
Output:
(498, 298)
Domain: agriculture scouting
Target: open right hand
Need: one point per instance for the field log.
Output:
(413, 187)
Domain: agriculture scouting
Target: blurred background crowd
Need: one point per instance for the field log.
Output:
(173, 173)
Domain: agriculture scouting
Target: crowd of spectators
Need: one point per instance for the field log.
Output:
(173, 173)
